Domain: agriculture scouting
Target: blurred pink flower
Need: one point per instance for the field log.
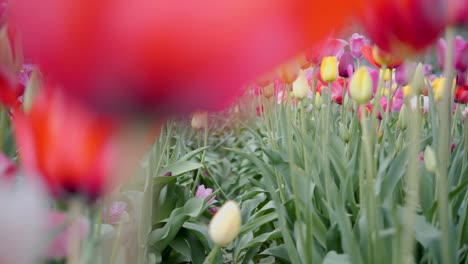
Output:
(113, 216)
(325, 48)
(23, 219)
(58, 248)
(461, 54)
(203, 192)
(355, 43)
(8, 169)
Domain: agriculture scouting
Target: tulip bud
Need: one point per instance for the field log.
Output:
(387, 75)
(344, 134)
(269, 91)
(225, 224)
(329, 69)
(399, 143)
(318, 100)
(346, 65)
(360, 87)
(407, 90)
(403, 118)
(383, 58)
(430, 160)
(418, 80)
(301, 86)
(439, 85)
(199, 120)
(287, 73)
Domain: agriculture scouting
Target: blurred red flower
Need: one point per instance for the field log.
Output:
(461, 94)
(405, 26)
(376, 57)
(66, 145)
(165, 57)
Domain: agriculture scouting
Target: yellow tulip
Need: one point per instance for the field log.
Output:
(199, 120)
(360, 87)
(225, 224)
(269, 91)
(329, 69)
(301, 86)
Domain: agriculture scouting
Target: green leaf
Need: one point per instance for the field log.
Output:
(278, 252)
(177, 169)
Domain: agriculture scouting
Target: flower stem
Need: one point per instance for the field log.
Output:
(445, 117)
(74, 240)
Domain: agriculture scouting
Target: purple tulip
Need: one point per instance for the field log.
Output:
(460, 52)
(346, 65)
(203, 192)
(355, 44)
(401, 75)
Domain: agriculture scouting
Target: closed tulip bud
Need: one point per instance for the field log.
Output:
(403, 118)
(439, 85)
(344, 134)
(384, 58)
(269, 91)
(199, 120)
(360, 87)
(399, 143)
(407, 90)
(287, 73)
(430, 160)
(329, 69)
(318, 100)
(225, 224)
(301, 86)
(418, 80)
(387, 75)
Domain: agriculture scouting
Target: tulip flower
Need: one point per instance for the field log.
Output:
(269, 90)
(378, 57)
(355, 44)
(360, 87)
(430, 160)
(329, 69)
(460, 53)
(438, 86)
(59, 248)
(225, 224)
(200, 120)
(318, 100)
(301, 86)
(287, 73)
(203, 192)
(22, 223)
(461, 95)
(325, 48)
(346, 65)
(404, 26)
(336, 89)
(114, 214)
(164, 57)
(73, 150)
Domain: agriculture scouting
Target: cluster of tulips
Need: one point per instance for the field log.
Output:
(78, 79)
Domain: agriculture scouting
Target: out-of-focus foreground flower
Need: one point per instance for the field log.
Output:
(23, 219)
(225, 224)
(73, 150)
(405, 26)
(163, 57)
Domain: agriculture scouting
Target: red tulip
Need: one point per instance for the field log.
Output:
(461, 95)
(71, 149)
(405, 26)
(160, 57)
(377, 57)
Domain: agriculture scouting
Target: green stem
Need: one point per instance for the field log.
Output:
(445, 117)
(3, 126)
(211, 258)
(115, 247)
(202, 159)
(412, 181)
